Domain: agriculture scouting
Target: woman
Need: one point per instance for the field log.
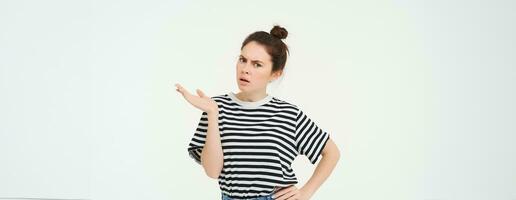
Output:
(249, 140)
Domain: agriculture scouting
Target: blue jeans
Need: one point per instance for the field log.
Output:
(268, 197)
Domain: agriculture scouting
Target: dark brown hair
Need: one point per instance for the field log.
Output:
(273, 44)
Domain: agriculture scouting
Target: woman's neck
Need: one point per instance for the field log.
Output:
(251, 96)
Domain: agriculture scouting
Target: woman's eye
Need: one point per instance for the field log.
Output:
(241, 60)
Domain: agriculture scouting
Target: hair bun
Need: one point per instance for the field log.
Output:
(279, 32)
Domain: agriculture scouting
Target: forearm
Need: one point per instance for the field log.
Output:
(329, 160)
(212, 158)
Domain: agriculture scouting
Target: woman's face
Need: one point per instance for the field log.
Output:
(254, 68)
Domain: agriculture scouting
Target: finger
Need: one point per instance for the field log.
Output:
(200, 93)
(283, 191)
(177, 85)
(178, 88)
(294, 197)
(278, 198)
(182, 90)
(290, 194)
(283, 197)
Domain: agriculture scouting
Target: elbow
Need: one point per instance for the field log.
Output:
(212, 171)
(214, 174)
(337, 154)
(331, 151)
(333, 155)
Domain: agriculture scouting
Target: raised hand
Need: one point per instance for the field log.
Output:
(201, 102)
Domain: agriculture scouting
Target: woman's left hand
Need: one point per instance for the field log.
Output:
(291, 193)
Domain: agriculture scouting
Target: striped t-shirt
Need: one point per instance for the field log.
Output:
(259, 141)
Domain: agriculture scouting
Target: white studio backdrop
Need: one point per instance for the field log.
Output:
(418, 95)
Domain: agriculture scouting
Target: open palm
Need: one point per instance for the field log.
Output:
(202, 101)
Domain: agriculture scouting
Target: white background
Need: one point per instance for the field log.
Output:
(418, 95)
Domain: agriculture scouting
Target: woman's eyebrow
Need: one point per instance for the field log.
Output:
(252, 60)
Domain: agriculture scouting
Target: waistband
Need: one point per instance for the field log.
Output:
(268, 197)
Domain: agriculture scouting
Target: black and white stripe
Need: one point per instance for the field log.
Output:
(259, 144)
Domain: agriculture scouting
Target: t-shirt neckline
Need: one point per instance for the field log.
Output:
(250, 104)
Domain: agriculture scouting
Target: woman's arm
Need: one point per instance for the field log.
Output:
(212, 158)
(330, 157)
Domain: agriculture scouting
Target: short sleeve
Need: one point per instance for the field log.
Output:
(199, 138)
(310, 139)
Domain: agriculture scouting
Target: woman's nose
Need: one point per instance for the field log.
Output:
(245, 69)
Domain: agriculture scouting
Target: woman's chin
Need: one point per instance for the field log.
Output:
(243, 89)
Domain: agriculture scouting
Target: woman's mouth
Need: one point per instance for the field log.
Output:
(243, 81)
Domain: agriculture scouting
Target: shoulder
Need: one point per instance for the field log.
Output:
(298, 110)
(284, 105)
(281, 102)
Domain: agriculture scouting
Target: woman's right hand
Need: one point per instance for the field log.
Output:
(202, 101)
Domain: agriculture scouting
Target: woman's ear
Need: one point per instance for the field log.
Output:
(276, 75)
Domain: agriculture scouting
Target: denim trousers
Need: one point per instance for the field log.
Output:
(268, 197)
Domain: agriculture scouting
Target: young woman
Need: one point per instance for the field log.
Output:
(249, 140)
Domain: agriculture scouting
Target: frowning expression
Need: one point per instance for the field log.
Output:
(254, 67)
